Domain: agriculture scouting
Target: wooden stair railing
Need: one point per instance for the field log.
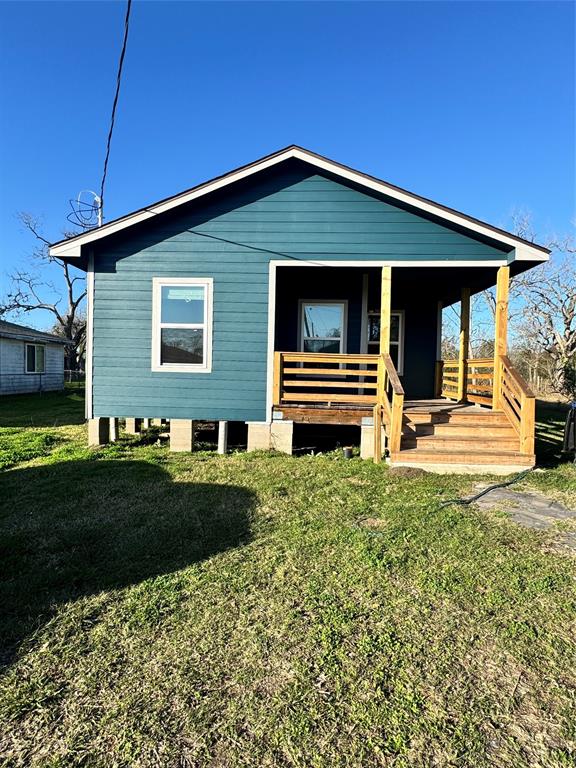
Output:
(518, 403)
(513, 396)
(388, 411)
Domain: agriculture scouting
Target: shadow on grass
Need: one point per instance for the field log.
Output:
(76, 528)
(550, 420)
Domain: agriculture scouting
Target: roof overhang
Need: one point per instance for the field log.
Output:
(32, 339)
(523, 250)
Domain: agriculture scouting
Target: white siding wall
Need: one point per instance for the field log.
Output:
(13, 376)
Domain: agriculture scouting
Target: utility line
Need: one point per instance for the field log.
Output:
(115, 103)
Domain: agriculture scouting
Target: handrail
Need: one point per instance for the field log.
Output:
(393, 377)
(498, 385)
(391, 409)
(518, 403)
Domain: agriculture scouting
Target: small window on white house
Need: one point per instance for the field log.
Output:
(396, 337)
(182, 324)
(35, 358)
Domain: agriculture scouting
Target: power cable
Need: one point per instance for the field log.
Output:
(115, 102)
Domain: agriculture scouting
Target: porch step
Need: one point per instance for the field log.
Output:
(460, 457)
(479, 441)
(448, 428)
(470, 417)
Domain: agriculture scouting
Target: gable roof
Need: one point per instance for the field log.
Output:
(525, 250)
(22, 332)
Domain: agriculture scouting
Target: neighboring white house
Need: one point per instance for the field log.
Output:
(30, 361)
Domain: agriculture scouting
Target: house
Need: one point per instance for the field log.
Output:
(298, 290)
(30, 361)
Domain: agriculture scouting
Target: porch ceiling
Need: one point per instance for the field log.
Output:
(446, 283)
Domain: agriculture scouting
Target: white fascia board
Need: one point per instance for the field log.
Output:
(72, 249)
(525, 253)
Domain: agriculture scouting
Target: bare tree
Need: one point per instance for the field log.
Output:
(543, 303)
(549, 314)
(28, 292)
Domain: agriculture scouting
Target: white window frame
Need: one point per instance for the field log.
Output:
(34, 372)
(400, 343)
(330, 302)
(157, 284)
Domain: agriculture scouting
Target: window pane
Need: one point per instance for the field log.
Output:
(30, 359)
(373, 328)
(394, 354)
(323, 321)
(319, 345)
(40, 359)
(182, 345)
(395, 328)
(182, 304)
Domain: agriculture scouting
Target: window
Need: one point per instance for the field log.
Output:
(35, 358)
(396, 337)
(182, 324)
(323, 326)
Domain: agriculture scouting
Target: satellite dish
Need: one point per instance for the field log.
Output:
(86, 210)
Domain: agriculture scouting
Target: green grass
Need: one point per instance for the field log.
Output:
(199, 610)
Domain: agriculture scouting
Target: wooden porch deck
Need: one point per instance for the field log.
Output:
(494, 435)
(439, 409)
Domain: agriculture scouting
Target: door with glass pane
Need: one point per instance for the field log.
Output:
(323, 326)
(396, 337)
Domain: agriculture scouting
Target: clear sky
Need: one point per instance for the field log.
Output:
(469, 103)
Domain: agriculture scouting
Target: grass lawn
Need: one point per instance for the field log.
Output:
(198, 610)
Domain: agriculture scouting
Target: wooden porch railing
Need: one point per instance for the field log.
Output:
(478, 386)
(326, 379)
(518, 403)
(512, 395)
(389, 410)
(338, 379)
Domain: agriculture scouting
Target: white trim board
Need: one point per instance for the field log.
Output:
(72, 248)
(380, 263)
(89, 407)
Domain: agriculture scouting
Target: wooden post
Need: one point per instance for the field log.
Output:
(396, 423)
(377, 435)
(464, 343)
(277, 391)
(385, 309)
(438, 377)
(500, 330)
(527, 423)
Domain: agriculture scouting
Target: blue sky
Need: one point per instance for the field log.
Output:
(470, 104)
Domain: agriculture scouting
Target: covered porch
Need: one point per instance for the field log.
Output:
(384, 368)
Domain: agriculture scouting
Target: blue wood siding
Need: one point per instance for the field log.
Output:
(285, 214)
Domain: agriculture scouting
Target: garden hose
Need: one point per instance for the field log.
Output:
(516, 479)
(505, 484)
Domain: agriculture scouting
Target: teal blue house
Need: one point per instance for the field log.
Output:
(290, 289)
